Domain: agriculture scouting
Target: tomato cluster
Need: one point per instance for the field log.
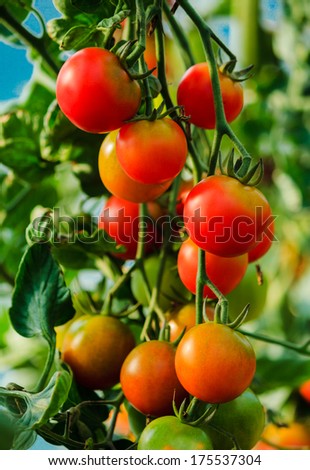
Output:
(139, 160)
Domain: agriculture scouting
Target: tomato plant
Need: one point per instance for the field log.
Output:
(168, 433)
(95, 92)
(229, 225)
(89, 347)
(118, 182)
(196, 95)
(172, 289)
(151, 152)
(238, 422)
(215, 265)
(209, 356)
(127, 117)
(152, 385)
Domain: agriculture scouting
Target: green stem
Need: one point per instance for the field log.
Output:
(36, 43)
(141, 34)
(180, 37)
(48, 366)
(303, 349)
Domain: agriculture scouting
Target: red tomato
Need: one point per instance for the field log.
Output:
(90, 345)
(149, 380)
(95, 92)
(264, 245)
(225, 273)
(118, 182)
(120, 219)
(215, 363)
(304, 390)
(196, 95)
(225, 217)
(184, 317)
(152, 152)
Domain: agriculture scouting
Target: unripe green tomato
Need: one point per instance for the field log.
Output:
(244, 418)
(172, 288)
(168, 433)
(248, 292)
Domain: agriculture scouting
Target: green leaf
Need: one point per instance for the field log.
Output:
(113, 20)
(25, 411)
(290, 369)
(77, 37)
(105, 8)
(41, 300)
(47, 403)
(19, 145)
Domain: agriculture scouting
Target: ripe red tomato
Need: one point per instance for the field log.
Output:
(296, 436)
(148, 378)
(225, 217)
(196, 95)
(169, 433)
(120, 219)
(95, 92)
(118, 182)
(304, 390)
(95, 347)
(215, 363)
(225, 273)
(263, 246)
(152, 152)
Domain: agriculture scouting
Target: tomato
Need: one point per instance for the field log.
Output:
(95, 348)
(215, 363)
(122, 425)
(304, 390)
(243, 418)
(148, 378)
(95, 92)
(263, 246)
(185, 187)
(152, 152)
(120, 219)
(234, 269)
(172, 289)
(296, 436)
(249, 291)
(196, 95)
(118, 182)
(182, 317)
(225, 217)
(169, 433)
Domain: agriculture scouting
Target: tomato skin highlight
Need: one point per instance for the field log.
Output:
(168, 433)
(148, 378)
(234, 269)
(152, 152)
(95, 92)
(215, 363)
(225, 217)
(95, 347)
(196, 95)
(118, 182)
